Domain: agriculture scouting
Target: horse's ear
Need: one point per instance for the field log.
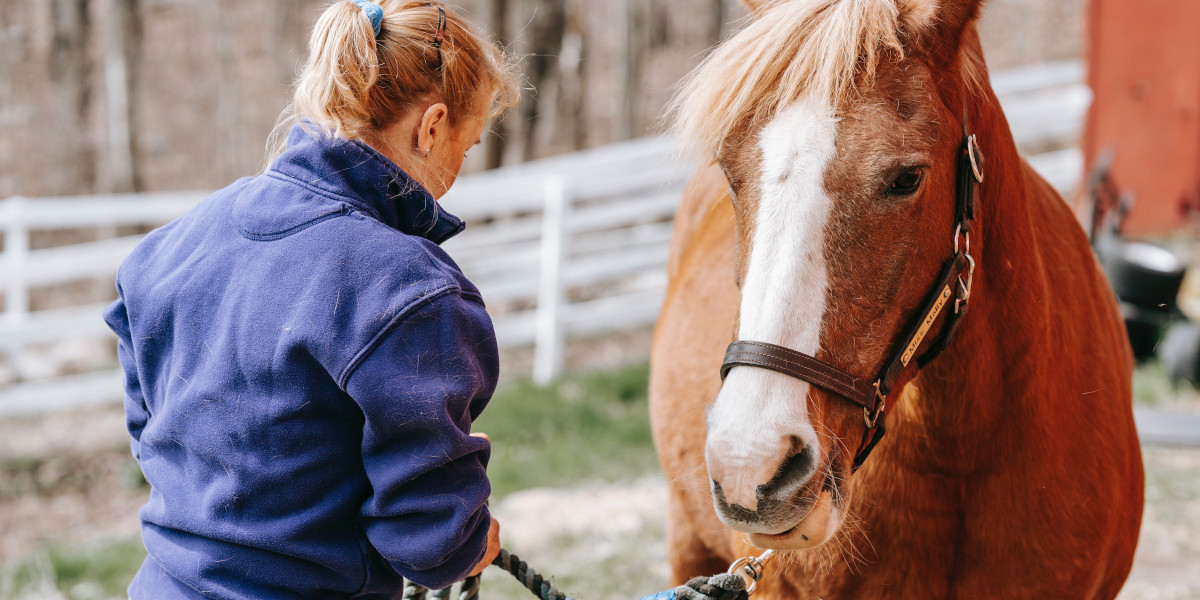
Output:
(757, 6)
(928, 22)
(946, 17)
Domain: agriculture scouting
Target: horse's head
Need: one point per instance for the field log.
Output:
(838, 124)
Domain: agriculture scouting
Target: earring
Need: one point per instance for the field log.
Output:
(427, 152)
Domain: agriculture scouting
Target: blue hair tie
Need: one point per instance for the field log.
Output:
(374, 13)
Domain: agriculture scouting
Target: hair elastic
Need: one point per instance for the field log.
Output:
(374, 12)
(440, 35)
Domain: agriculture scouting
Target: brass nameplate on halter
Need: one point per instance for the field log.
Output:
(925, 325)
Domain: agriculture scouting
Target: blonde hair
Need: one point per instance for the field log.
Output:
(816, 47)
(354, 81)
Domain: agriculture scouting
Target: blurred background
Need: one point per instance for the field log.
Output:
(119, 115)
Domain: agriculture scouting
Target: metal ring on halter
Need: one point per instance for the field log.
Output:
(970, 278)
(972, 146)
(964, 285)
(869, 417)
(958, 233)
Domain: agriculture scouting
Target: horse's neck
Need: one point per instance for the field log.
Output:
(1000, 345)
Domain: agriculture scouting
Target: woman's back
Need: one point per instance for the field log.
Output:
(289, 325)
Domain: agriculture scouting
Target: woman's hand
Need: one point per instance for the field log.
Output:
(493, 546)
(493, 549)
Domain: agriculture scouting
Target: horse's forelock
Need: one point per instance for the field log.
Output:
(816, 48)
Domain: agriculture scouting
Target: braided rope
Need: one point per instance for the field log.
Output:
(725, 586)
(531, 579)
(469, 589)
(413, 591)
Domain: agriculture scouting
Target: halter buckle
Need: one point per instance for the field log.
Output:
(871, 417)
(964, 287)
(973, 152)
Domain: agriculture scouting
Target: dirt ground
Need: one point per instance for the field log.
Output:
(67, 478)
(70, 480)
(572, 531)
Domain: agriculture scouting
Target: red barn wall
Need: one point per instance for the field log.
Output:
(1144, 68)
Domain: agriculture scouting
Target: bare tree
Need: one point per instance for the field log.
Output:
(548, 21)
(496, 142)
(69, 68)
(120, 49)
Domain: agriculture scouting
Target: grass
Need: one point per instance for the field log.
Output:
(99, 571)
(592, 426)
(1153, 388)
(589, 426)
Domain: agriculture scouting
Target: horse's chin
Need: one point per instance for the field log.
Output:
(816, 528)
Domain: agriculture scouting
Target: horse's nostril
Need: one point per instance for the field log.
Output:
(793, 473)
(775, 505)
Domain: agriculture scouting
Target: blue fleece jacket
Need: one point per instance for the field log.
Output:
(303, 364)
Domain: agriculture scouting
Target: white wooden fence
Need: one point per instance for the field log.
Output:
(569, 246)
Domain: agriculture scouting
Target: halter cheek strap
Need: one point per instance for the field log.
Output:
(953, 283)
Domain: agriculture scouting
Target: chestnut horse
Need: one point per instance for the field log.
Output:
(828, 225)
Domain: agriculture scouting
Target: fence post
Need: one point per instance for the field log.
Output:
(16, 254)
(549, 335)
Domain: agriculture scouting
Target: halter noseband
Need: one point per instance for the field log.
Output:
(954, 281)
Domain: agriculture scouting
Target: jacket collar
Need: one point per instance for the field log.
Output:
(365, 178)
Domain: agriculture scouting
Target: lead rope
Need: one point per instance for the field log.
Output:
(737, 584)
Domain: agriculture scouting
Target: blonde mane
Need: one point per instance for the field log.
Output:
(796, 47)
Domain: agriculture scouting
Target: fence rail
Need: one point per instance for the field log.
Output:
(568, 246)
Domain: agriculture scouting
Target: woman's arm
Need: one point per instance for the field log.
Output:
(136, 413)
(419, 389)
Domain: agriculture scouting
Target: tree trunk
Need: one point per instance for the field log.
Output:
(541, 68)
(496, 142)
(69, 68)
(634, 26)
(120, 49)
(717, 33)
(572, 110)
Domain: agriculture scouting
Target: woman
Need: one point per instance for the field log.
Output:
(303, 362)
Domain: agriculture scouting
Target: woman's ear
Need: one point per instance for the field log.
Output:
(433, 127)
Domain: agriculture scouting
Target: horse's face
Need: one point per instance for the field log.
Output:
(844, 216)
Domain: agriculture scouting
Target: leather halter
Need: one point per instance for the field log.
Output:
(954, 281)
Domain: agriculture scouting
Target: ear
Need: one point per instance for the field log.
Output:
(936, 27)
(918, 15)
(757, 6)
(433, 127)
(955, 15)
(945, 19)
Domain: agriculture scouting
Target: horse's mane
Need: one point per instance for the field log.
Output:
(814, 47)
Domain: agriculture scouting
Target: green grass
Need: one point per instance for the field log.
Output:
(588, 426)
(99, 571)
(1153, 388)
(592, 426)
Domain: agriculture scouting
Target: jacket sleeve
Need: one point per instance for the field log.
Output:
(420, 386)
(136, 413)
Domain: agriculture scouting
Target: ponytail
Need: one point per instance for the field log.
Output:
(355, 80)
(334, 90)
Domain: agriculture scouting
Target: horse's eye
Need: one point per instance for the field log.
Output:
(906, 183)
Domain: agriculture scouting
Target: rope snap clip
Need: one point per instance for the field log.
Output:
(751, 569)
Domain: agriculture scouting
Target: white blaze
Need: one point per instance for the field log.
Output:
(783, 302)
